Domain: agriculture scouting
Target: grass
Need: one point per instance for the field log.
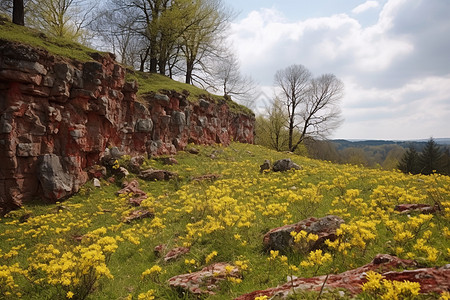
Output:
(155, 83)
(56, 46)
(230, 216)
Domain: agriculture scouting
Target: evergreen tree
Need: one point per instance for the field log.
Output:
(429, 159)
(409, 163)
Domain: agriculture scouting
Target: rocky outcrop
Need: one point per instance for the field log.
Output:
(57, 117)
(431, 280)
(281, 238)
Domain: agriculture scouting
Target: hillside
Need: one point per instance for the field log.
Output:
(219, 207)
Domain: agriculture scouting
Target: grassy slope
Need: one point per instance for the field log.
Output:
(216, 215)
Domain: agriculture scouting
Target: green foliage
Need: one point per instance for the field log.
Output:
(57, 46)
(429, 161)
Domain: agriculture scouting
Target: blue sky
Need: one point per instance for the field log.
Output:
(392, 55)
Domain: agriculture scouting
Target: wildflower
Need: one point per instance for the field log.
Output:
(210, 256)
(69, 295)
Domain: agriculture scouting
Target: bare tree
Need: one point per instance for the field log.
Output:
(312, 104)
(294, 82)
(227, 78)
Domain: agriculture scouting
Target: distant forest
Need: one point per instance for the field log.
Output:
(373, 153)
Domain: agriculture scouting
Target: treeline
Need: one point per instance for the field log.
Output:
(409, 157)
(432, 159)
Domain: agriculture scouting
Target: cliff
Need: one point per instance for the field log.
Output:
(58, 115)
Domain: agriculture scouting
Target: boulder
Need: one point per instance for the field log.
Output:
(280, 238)
(432, 280)
(285, 165)
(56, 182)
(205, 281)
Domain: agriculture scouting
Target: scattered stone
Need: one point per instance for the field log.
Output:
(210, 177)
(153, 175)
(97, 183)
(280, 238)
(96, 171)
(173, 254)
(432, 280)
(137, 215)
(422, 208)
(132, 188)
(285, 165)
(193, 150)
(135, 163)
(205, 281)
(169, 161)
(265, 166)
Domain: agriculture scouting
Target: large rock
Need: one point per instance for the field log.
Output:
(55, 181)
(153, 175)
(281, 239)
(285, 165)
(432, 280)
(205, 281)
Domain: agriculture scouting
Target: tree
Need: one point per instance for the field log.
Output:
(227, 78)
(18, 12)
(409, 163)
(429, 159)
(271, 130)
(61, 18)
(202, 37)
(311, 104)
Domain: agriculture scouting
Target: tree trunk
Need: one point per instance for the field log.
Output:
(189, 68)
(18, 12)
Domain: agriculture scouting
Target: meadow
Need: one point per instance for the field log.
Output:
(81, 248)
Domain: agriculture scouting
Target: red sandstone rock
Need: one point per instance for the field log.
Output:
(422, 208)
(72, 112)
(280, 238)
(137, 215)
(206, 280)
(172, 254)
(430, 279)
(136, 195)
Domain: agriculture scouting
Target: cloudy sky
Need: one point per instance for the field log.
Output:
(392, 55)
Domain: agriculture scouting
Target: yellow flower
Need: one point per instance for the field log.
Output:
(69, 295)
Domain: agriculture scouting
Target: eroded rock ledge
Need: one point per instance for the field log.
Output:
(57, 117)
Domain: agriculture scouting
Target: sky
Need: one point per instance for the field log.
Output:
(393, 57)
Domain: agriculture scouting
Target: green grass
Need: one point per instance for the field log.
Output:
(155, 83)
(56, 46)
(241, 192)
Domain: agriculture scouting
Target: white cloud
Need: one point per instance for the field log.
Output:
(365, 6)
(396, 71)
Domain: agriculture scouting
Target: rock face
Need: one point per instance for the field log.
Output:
(57, 117)
(280, 238)
(430, 279)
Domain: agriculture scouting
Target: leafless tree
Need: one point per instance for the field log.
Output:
(227, 79)
(312, 104)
